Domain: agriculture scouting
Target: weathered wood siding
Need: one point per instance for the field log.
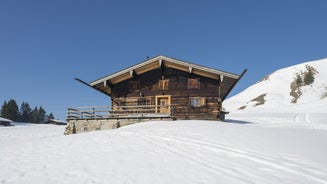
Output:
(142, 90)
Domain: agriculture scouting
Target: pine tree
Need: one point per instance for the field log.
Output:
(11, 110)
(49, 117)
(41, 115)
(34, 118)
(25, 112)
(4, 110)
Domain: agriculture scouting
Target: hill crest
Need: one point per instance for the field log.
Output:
(298, 88)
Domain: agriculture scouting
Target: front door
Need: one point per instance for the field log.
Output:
(163, 104)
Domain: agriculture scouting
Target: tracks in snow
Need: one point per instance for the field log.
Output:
(242, 164)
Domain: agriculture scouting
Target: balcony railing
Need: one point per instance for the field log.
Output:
(119, 112)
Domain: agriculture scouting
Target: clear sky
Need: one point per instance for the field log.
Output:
(44, 44)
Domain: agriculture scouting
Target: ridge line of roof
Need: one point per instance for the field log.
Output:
(158, 57)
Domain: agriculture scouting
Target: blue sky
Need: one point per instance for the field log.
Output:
(44, 45)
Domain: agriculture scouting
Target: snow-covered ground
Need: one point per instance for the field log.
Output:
(268, 148)
(266, 139)
(274, 92)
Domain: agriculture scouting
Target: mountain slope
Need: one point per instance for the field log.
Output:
(299, 88)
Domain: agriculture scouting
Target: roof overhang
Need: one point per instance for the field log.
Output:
(104, 84)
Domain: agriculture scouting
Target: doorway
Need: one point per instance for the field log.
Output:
(163, 104)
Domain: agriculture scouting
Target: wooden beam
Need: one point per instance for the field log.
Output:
(107, 83)
(162, 67)
(221, 77)
(108, 90)
(147, 68)
(110, 84)
(87, 84)
(120, 78)
(133, 74)
(176, 66)
(205, 74)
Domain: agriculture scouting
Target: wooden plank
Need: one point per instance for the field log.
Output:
(205, 74)
(120, 78)
(147, 68)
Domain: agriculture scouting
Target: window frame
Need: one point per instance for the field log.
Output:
(193, 83)
(164, 84)
(197, 101)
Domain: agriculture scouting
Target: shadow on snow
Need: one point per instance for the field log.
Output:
(236, 121)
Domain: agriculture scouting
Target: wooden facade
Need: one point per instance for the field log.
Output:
(186, 90)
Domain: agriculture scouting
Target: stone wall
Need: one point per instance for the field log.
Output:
(87, 125)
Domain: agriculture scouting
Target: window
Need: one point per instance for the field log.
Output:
(193, 83)
(163, 84)
(195, 102)
(198, 101)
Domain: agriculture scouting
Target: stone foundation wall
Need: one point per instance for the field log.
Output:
(88, 125)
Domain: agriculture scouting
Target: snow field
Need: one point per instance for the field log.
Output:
(245, 149)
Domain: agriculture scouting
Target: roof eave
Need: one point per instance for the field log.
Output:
(231, 88)
(161, 58)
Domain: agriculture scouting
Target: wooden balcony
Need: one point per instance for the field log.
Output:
(121, 112)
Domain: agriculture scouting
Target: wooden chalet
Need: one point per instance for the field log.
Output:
(164, 87)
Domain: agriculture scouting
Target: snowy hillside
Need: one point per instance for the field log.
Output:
(281, 140)
(236, 151)
(297, 89)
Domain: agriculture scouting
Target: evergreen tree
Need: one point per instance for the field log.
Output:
(25, 112)
(41, 115)
(4, 110)
(11, 110)
(49, 117)
(34, 118)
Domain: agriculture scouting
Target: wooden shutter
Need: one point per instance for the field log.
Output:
(203, 101)
(193, 83)
(163, 84)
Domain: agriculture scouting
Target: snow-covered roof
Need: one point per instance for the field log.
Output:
(57, 121)
(5, 120)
